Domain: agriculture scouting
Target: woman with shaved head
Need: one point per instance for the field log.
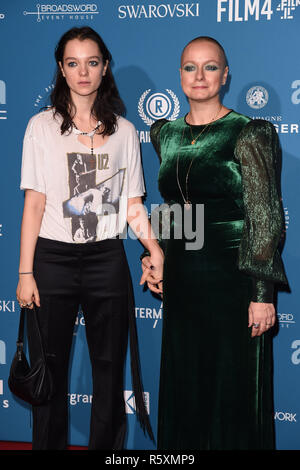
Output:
(216, 363)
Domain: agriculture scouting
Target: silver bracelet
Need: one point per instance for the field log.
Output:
(27, 273)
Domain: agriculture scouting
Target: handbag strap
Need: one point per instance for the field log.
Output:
(21, 327)
(20, 341)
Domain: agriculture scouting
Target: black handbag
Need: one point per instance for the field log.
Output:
(32, 384)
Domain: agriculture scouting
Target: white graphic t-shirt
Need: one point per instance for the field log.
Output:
(86, 195)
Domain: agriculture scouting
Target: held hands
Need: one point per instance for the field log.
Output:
(152, 267)
(261, 317)
(27, 291)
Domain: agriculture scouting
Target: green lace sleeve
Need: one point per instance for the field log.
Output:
(155, 139)
(257, 150)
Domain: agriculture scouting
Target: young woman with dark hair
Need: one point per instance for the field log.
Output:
(107, 104)
(71, 253)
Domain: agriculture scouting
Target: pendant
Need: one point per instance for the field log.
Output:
(187, 205)
(193, 142)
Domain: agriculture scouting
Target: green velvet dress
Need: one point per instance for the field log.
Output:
(216, 381)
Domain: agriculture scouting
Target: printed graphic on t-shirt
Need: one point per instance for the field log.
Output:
(90, 202)
(83, 172)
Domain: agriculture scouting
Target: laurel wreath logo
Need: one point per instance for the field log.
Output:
(147, 120)
(176, 109)
(150, 121)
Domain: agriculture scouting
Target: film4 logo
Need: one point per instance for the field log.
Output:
(256, 10)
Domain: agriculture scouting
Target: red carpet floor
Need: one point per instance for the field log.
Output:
(6, 445)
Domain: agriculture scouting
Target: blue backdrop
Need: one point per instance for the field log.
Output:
(261, 38)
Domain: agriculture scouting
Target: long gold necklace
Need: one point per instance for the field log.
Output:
(186, 200)
(194, 139)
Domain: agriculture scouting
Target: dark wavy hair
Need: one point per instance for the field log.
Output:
(107, 105)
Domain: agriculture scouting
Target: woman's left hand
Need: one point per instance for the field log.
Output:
(261, 317)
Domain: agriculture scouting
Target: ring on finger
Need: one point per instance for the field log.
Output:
(256, 325)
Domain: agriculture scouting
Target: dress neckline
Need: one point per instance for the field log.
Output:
(203, 125)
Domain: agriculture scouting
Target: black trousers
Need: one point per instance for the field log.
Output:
(95, 276)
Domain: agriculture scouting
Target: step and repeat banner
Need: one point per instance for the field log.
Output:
(261, 38)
